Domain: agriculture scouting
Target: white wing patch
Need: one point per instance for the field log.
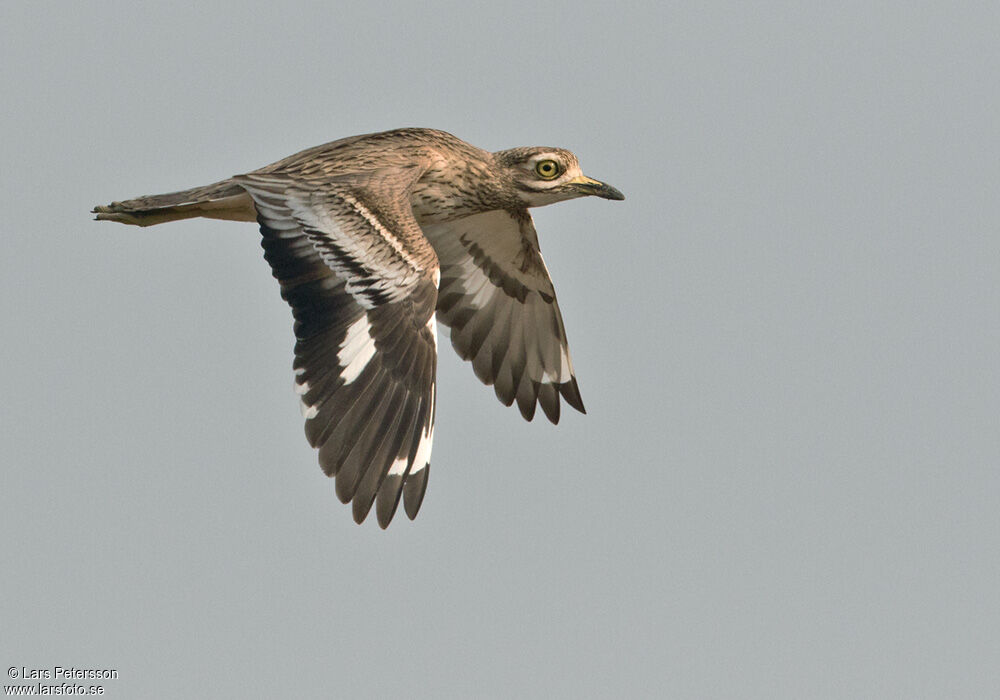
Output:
(476, 285)
(308, 412)
(565, 372)
(347, 251)
(357, 350)
(398, 467)
(423, 454)
(432, 326)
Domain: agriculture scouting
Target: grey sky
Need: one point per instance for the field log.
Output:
(787, 339)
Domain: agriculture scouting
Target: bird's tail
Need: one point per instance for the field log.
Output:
(222, 200)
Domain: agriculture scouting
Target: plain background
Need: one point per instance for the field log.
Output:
(787, 338)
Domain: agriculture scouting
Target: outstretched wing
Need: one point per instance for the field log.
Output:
(361, 280)
(498, 299)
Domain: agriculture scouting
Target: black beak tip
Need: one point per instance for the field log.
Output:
(596, 188)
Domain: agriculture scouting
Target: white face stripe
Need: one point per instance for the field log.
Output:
(548, 155)
(570, 170)
(357, 351)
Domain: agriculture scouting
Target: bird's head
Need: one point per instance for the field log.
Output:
(545, 175)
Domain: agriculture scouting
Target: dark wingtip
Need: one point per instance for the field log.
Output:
(571, 392)
(414, 490)
(385, 518)
(387, 500)
(526, 407)
(344, 491)
(506, 395)
(360, 513)
(548, 397)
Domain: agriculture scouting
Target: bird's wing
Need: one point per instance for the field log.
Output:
(498, 299)
(362, 283)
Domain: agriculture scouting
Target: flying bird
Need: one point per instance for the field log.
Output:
(375, 238)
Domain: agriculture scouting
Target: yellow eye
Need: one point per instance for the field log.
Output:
(547, 169)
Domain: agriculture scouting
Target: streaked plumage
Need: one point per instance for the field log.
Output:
(373, 239)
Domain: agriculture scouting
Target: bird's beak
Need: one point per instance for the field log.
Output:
(588, 185)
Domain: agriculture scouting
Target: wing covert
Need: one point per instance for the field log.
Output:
(496, 296)
(361, 281)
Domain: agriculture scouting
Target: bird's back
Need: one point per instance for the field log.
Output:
(436, 195)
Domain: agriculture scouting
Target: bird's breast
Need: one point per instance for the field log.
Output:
(434, 204)
(446, 194)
